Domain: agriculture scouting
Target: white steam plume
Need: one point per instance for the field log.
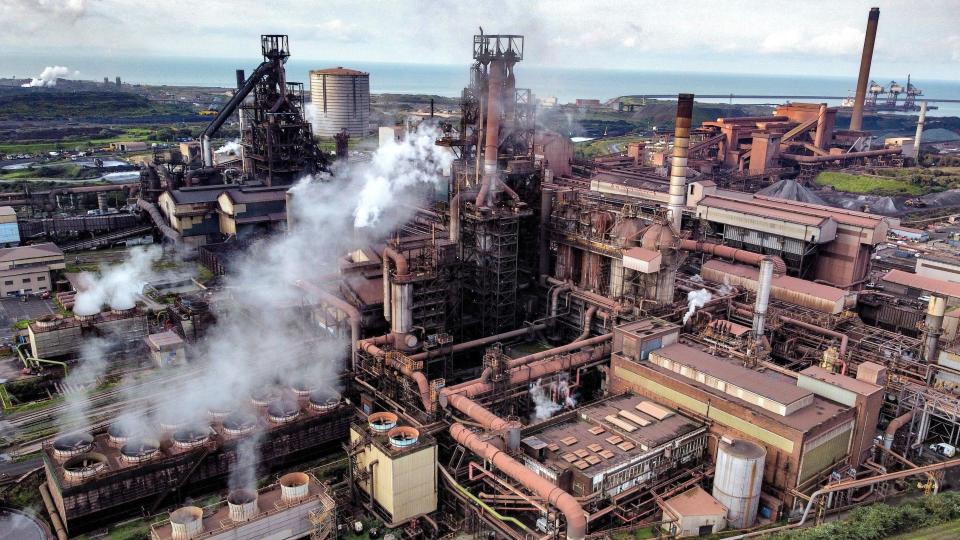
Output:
(231, 147)
(266, 336)
(48, 77)
(93, 365)
(117, 285)
(550, 398)
(696, 300)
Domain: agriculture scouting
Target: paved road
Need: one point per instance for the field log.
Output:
(14, 309)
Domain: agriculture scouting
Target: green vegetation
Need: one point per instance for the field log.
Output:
(60, 170)
(947, 531)
(876, 185)
(910, 181)
(138, 529)
(26, 494)
(642, 533)
(29, 104)
(599, 147)
(21, 324)
(878, 521)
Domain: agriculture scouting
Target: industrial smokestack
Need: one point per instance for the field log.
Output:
(919, 135)
(492, 135)
(934, 324)
(856, 119)
(240, 78)
(764, 283)
(678, 165)
(820, 134)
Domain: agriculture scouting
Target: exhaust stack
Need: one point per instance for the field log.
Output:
(763, 297)
(934, 323)
(856, 119)
(678, 165)
(919, 135)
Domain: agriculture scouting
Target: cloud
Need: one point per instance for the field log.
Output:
(339, 30)
(953, 45)
(846, 41)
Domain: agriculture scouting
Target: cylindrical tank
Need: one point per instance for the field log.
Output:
(186, 523)
(736, 484)
(341, 100)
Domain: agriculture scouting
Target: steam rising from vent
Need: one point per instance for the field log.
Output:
(48, 77)
(118, 285)
(232, 147)
(696, 300)
(550, 398)
(93, 365)
(266, 336)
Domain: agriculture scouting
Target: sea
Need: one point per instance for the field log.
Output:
(566, 84)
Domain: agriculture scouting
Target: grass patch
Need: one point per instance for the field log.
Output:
(65, 171)
(875, 185)
(947, 531)
(132, 530)
(600, 147)
(21, 324)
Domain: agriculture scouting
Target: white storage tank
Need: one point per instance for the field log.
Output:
(340, 98)
(736, 483)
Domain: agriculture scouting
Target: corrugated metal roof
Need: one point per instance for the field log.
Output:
(695, 502)
(856, 386)
(748, 379)
(927, 284)
(765, 211)
(28, 252)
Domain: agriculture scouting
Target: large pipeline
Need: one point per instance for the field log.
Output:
(764, 284)
(492, 135)
(739, 255)
(856, 118)
(934, 327)
(575, 516)
(678, 163)
(229, 109)
(166, 230)
(841, 157)
(55, 520)
(890, 433)
(467, 345)
(826, 332)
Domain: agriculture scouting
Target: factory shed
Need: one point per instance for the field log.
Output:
(800, 446)
(909, 233)
(907, 284)
(800, 292)
(694, 513)
(767, 218)
(246, 210)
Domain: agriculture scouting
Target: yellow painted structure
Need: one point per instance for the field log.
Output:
(404, 481)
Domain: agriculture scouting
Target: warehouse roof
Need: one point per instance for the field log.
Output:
(923, 283)
(695, 502)
(196, 195)
(30, 252)
(856, 386)
(724, 370)
(764, 211)
(255, 195)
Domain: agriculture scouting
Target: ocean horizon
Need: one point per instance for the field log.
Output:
(567, 84)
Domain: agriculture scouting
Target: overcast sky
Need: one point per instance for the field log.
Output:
(921, 37)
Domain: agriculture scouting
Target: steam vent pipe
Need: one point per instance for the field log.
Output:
(763, 297)
(678, 165)
(934, 324)
(856, 119)
(919, 135)
(572, 511)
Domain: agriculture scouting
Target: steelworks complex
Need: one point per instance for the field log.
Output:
(548, 346)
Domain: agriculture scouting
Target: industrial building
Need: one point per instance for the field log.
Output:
(551, 345)
(29, 269)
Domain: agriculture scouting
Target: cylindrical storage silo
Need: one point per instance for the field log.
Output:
(736, 483)
(341, 100)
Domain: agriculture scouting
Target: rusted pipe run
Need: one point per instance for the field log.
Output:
(555, 300)
(579, 344)
(841, 157)
(55, 520)
(403, 269)
(593, 298)
(587, 322)
(467, 345)
(524, 373)
(353, 314)
(826, 332)
(575, 516)
(739, 255)
(893, 426)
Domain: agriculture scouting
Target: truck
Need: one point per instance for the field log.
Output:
(943, 449)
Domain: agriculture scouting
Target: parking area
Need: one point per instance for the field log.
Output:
(15, 309)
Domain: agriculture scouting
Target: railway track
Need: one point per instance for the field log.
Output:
(33, 428)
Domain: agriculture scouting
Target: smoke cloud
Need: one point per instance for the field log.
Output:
(48, 77)
(93, 365)
(117, 285)
(231, 147)
(696, 300)
(268, 336)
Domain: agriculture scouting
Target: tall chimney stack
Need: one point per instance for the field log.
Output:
(678, 164)
(917, 138)
(856, 119)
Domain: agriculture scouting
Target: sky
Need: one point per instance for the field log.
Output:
(921, 37)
